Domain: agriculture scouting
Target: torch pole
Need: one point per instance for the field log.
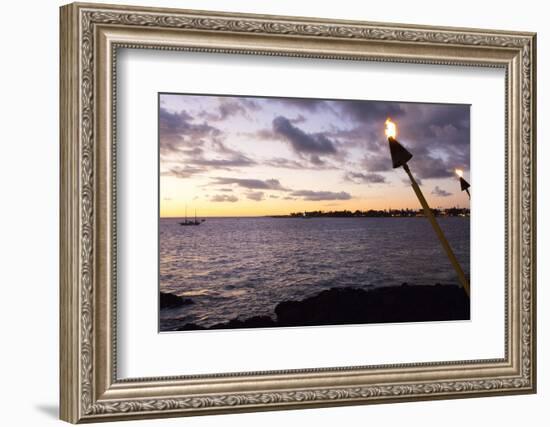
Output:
(429, 214)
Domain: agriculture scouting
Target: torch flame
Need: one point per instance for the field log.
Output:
(391, 128)
(459, 172)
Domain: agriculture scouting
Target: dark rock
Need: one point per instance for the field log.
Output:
(251, 322)
(390, 304)
(168, 300)
(189, 327)
(341, 306)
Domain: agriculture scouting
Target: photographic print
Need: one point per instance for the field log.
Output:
(285, 212)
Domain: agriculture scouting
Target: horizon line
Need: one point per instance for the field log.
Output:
(289, 214)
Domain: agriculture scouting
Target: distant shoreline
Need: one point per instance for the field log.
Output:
(293, 217)
(405, 213)
(374, 213)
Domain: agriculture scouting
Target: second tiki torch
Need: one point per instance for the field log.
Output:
(464, 185)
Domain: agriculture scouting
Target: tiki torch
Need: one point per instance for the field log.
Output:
(400, 156)
(464, 185)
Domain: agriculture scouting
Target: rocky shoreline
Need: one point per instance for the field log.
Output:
(345, 306)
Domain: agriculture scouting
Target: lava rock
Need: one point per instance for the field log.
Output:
(405, 303)
(168, 300)
(342, 306)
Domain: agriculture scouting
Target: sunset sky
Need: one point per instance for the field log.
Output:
(248, 156)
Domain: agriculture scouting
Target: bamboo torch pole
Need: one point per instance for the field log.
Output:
(400, 156)
(429, 214)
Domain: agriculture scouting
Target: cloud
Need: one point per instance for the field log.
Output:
(426, 166)
(199, 146)
(297, 120)
(256, 196)
(230, 106)
(251, 184)
(424, 163)
(377, 162)
(439, 192)
(237, 160)
(281, 162)
(438, 135)
(173, 127)
(226, 109)
(221, 157)
(316, 196)
(371, 111)
(307, 104)
(197, 164)
(224, 198)
(314, 162)
(368, 178)
(300, 141)
(182, 172)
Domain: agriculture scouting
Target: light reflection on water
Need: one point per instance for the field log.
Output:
(243, 267)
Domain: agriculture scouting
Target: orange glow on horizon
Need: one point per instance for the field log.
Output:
(268, 207)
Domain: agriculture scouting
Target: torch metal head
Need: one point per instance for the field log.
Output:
(399, 154)
(464, 185)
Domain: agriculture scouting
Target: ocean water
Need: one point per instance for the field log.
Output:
(243, 267)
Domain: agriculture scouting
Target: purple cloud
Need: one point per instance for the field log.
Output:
(365, 178)
(256, 196)
(251, 184)
(182, 172)
(439, 192)
(230, 106)
(224, 198)
(300, 141)
(316, 196)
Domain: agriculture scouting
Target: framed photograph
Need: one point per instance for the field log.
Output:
(266, 212)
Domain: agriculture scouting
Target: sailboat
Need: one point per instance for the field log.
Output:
(191, 222)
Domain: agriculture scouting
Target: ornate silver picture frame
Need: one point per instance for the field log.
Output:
(91, 35)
